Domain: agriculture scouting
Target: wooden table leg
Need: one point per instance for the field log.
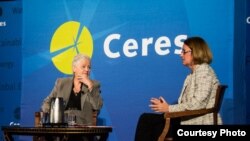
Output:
(8, 137)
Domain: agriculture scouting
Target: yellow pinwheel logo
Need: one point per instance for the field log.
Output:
(70, 39)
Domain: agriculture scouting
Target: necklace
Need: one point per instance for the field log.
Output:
(76, 91)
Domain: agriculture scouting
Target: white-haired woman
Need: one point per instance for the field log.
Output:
(80, 93)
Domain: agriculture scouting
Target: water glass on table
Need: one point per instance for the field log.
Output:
(70, 118)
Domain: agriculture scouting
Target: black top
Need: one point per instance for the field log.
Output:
(74, 100)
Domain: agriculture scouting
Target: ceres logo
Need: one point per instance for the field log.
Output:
(248, 20)
(70, 39)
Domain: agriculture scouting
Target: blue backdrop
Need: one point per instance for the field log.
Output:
(247, 60)
(10, 61)
(134, 46)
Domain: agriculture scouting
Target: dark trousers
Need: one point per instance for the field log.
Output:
(150, 126)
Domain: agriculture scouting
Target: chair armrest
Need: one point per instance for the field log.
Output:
(169, 115)
(188, 113)
(95, 116)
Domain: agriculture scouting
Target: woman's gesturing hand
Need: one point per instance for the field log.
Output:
(158, 104)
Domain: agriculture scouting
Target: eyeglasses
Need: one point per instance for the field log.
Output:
(184, 52)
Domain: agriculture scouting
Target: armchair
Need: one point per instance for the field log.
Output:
(215, 110)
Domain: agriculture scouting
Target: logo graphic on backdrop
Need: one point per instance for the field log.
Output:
(248, 20)
(70, 39)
